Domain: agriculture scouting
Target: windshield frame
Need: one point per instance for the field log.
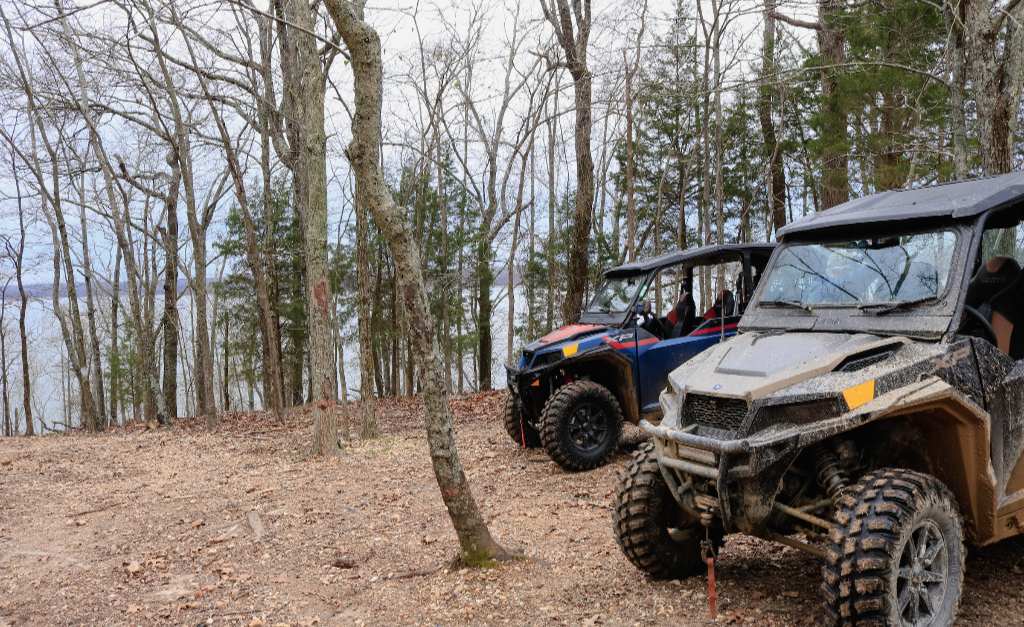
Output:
(744, 257)
(618, 318)
(926, 320)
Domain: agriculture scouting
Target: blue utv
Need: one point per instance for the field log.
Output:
(571, 390)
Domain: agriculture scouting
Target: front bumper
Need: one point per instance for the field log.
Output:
(742, 474)
(531, 387)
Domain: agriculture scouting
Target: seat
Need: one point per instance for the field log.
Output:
(683, 317)
(725, 306)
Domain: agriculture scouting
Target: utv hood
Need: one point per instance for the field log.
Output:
(565, 334)
(753, 365)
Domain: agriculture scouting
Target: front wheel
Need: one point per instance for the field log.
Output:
(581, 425)
(650, 528)
(896, 556)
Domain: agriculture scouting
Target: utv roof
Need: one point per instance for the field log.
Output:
(950, 201)
(704, 254)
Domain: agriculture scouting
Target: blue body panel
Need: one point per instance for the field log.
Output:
(652, 359)
(657, 360)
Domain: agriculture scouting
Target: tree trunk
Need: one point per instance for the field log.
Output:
(198, 222)
(114, 359)
(995, 60)
(954, 19)
(206, 405)
(18, 257)
(834, 155)
(765, 112)
(552, 242)
(94, 359)
(267, 325)
(574, 47)
(169, 383)
(3, 360)
(579, 258)
(477, 545)
(304, 84)
(484, 281)
(368, 416)
(630, 166)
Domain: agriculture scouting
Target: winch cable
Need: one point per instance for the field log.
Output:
(707, 553)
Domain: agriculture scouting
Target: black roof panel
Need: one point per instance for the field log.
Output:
(692, 255)
(963, 199)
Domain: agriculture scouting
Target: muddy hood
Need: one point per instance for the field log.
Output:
(753, 365)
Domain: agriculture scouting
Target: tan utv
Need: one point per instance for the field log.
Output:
(870, 411)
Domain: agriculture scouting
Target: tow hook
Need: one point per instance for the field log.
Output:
(707, 505)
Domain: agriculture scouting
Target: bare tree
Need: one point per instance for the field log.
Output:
(630, 174)
(4, 363)
(303, 103)
(71, 325)
(490, 189)
(572, 30)
(766, 103)
(16, 252)
(363, 43)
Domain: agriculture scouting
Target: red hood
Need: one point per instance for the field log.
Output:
(568, 331)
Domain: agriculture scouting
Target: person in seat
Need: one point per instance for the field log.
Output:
(994, 276)
(725, 306)
(683, 317)
(1008, 318)
(995, 292)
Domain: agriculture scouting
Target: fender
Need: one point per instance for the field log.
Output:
(961, 447)
(612, 369)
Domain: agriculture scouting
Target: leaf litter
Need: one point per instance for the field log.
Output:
(241, 527)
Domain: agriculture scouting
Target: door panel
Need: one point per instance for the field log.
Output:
(657, 360)
(1003, 380)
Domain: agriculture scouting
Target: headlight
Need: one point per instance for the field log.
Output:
(669, 402)
(798, 413)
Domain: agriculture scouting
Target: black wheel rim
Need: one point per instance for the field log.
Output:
(588, 426)
(923, 575)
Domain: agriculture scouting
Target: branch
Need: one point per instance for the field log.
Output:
(792, 21)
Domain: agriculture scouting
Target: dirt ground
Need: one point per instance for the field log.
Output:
(183, 526)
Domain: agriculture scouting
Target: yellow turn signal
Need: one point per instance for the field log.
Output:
(859, 394)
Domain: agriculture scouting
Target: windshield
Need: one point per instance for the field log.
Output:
(616, 294)
(862, 272)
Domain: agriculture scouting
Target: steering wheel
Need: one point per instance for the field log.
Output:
(983, 321)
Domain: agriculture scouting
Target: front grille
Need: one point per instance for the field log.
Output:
(546, 359)
(711, 411)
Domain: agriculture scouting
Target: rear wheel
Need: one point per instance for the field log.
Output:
(896, 556)
(522, 433)
(581, 425)
(651, 529)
